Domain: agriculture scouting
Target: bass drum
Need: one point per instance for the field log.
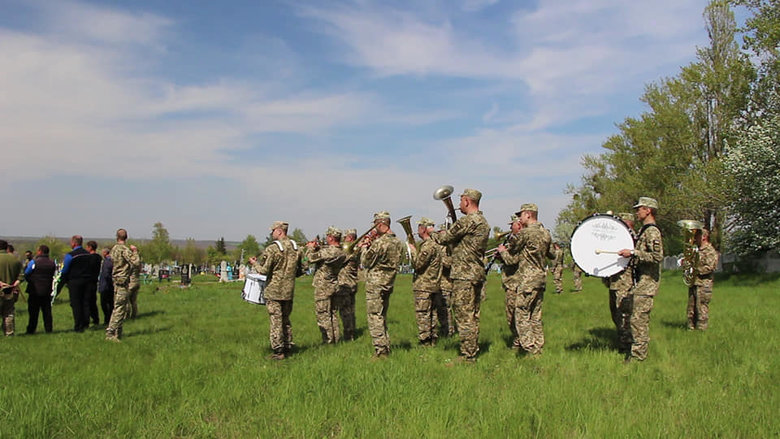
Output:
(254, 288)
(596, 241)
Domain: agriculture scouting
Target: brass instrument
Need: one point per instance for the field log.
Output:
(406, 223)
(507, 237)
(690, 257)
(349, 247)
(444, 194)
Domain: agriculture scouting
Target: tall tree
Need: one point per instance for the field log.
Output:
(192, 254)
(248, 247)
(220, 247)
(159, 249)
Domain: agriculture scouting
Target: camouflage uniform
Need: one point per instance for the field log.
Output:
(576, 273)
(124, 261)
(10, 272)
(280, 262)
(133, 287)
(510, 280)
(648, 254)
(347, 289)
(620, 300)
(443, 302)
(700, 294)
(558, 270)
(533, 246)
(427, 277)
(329, 260)
(381, 261)
(469, 237)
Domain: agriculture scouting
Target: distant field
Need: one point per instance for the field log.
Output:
(193, 365)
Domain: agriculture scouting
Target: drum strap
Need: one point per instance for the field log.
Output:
(281, 247)
(645, 227)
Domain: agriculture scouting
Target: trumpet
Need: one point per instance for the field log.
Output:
(444, 194)
(349, 247)
(494, 251)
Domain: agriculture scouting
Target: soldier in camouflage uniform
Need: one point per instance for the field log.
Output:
(348, 286)
(133, 287)
(700, 294)
(281, 263)
(510, 278)
(646, 258)
(380, 258)
(125, 258)
(469, 237)
(426, 283)
(533, 246)
(557, 268)
(620, 300)
(443, 302)
(576, 273)
(329, 260)
(11, 275)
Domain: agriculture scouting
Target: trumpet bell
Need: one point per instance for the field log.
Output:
(443, 192)
(501, 235)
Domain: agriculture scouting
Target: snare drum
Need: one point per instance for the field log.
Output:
(254, 285)
(595, 243)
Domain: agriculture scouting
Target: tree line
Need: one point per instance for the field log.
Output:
(160, 249)
(708, 145)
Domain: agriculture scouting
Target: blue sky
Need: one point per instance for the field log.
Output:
(217, 118)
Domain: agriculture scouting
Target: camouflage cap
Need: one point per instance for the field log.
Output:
(513, 219)
(350, 232)
(527, 207)
(647, 202)
(426, 222)
(625, 216)
(334, 232)
(279, 225)
(472, 194)
(383, 216)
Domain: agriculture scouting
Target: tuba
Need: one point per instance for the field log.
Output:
(406, 223)
(690, 259)
(444, 194)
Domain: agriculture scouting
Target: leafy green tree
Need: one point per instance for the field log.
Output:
(247, 248)
(191, 254)
(754, 165)
(298, 236)
(159, 249)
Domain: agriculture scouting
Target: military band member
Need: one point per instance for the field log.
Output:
(281, 262)
(700, 294)
(348, 286)
(426, 285)
(557, 268)
(533, 245)
(124, 258)
(620, 299)
(329, 260)
(576, 273)
(646, 256)
(469, 237)
(443, 302)
(510, 279)
(380, 258)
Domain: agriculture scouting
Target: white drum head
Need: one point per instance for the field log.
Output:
(595, 242)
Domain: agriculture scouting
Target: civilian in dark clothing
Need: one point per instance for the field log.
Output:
(76, 273)
(94, 272)
(40, 275)
(106, 286)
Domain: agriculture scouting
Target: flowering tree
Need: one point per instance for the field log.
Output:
(754, 166)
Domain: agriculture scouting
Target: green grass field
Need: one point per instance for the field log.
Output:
(193, 364)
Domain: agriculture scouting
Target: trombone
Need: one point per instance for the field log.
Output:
(349, 247)
(444, 194)
(494, 251)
